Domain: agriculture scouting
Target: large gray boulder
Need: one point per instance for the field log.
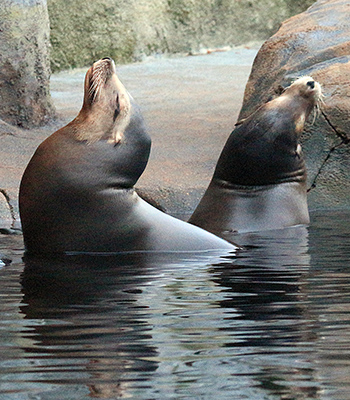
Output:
(24, 63)
(316, 43)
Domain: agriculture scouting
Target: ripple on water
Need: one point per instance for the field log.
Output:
(271, 322)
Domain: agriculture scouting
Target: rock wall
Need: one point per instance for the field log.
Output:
(24, 63)
(127, 30)
(316, 43)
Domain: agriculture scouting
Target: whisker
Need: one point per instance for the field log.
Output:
(100, 74)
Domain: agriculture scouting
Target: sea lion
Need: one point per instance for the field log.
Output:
(77, 193)
(260, 178)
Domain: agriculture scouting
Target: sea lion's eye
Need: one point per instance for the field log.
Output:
(311, 84)
(117, 108)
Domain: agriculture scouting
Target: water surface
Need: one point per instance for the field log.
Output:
(272, 322)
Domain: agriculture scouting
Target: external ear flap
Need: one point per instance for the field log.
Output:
(123, 103)
(121, 116)
(279, 90)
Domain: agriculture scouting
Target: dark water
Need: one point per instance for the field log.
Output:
(273, 322)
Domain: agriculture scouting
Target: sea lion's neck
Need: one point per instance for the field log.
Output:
(264, 149)
(296, 105)
(122, 162)
(91, 127)
(297, 109)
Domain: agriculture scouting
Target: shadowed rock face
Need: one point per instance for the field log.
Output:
(316, 43)
(24, 63)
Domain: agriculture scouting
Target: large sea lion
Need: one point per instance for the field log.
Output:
(260, 179)
(77, 193)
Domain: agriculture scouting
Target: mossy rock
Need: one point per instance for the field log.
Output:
(127, 30)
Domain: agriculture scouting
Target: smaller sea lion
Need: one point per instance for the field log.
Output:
(260, 179)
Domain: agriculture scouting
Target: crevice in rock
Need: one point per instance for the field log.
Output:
(313, 184)
(341, 135)
(7, 129)
(6, 134)
(344, 140)
(8, 200)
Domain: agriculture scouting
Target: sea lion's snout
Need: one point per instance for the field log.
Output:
(107, 64)
(97, 77)
(315, 91)
(308, 88)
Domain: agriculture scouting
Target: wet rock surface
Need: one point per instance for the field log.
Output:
(316, 43)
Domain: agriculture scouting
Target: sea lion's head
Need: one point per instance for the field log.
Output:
(307, 89)
(264, 148)
(298, 100)
(107, 104)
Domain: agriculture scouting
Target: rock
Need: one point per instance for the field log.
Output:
(128, 30)
(316, 43)
(24, 63)
(6, 219)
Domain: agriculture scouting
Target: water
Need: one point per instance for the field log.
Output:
(273, 322)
